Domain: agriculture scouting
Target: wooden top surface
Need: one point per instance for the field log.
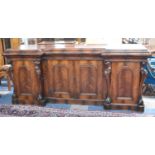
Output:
(50, 48)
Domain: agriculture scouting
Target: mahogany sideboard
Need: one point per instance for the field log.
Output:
(111, 76)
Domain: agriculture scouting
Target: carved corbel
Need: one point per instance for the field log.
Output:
(143, 75)
(107, 74)
(37, 67)
(38, 72)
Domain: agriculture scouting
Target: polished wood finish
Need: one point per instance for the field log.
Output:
(79, 74)
(1, 53)
(125, 82)
(59, 79)
(15, 42)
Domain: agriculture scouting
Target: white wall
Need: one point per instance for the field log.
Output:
(104, 40)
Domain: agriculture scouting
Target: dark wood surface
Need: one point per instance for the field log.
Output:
(79, 74)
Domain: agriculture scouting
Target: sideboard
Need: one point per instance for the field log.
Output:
(111, 76)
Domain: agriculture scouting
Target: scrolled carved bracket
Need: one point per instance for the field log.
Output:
(37, 64)
(107, 74)
(143, 75)
(37, 67)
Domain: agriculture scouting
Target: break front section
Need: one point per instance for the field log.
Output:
(27, 79)
(126, 80)
(73, 80)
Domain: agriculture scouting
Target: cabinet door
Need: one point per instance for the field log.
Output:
(89, 79)
(125, 80)
(26, 82)
(58, 78)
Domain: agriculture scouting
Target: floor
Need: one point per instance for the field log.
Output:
(6, 96)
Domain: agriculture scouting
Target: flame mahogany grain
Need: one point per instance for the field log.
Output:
(79, 74)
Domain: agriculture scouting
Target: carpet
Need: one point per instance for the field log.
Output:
(35, 111)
